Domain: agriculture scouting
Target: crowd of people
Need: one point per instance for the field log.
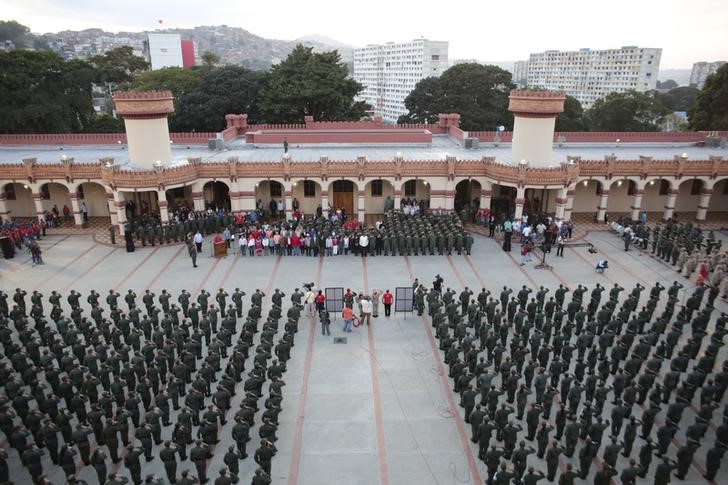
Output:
(24, 234)
(684, 246)
(139, 378)
(522, 354)
(397, 233)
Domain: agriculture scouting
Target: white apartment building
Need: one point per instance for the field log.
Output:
(389, 72)
(701, 71)
(164, 50)
(589, 75)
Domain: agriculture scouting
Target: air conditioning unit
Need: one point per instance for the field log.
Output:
(215, 144)
(471, 143)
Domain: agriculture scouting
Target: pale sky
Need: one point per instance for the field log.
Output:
(687, 30)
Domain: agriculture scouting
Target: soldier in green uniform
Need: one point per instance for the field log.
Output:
(142, 234)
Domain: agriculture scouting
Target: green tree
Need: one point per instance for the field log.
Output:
(118, 67)
(42, 93)
(210, 59)
(628, 111)
(478, 93)
(424, 103)
(179, 81)
(710, 111)
(309, 83)
(679, 99)
(12, 31)
(105, 124)
(572, 118)
(229, 89)
(669, 84)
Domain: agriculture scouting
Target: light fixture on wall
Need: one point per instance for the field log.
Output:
(619, 183)
(586, 182)
(652, 182)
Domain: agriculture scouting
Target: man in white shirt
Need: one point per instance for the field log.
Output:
(363, 245)
(198, 241)
(366, 309)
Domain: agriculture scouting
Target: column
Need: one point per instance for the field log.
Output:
(288, 203)
(520, 201)
(76, 208)
(162, 203)
(560, 204)
(120, 206)
(4, 212)
(485, 196)
(199, 202)
(449, 195)
(38, 201)
(637, 205)
(112, 208)
(361, 205)
(670, 205)
(602, 208)
(324, 201)
(569, 204)
(397, 197)
(703, 205)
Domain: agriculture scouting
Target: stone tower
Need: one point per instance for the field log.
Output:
(533, 128)
(145, 118)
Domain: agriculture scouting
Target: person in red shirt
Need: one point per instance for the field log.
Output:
(387, 299)
(320, 300)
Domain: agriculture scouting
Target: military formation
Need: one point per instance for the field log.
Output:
(683, 246)
(149, 230)
(138, 378)
(536, 369)
(396, 234)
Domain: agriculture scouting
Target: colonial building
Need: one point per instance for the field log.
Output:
(357, 165)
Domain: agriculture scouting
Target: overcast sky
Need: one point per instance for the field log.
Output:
(687, 30)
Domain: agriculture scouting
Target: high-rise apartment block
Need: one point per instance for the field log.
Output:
(164, 50)
(589, 75)
(520, 73)
(389, 72)
(701, 71)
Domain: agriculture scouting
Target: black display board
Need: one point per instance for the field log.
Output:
(404, 299)
(334, 300)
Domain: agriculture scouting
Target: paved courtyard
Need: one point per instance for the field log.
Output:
(378, 409)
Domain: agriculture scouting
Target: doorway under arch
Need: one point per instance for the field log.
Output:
(342, 196)
(467, 197)
(217, 195)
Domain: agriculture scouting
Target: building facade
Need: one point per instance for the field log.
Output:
(357, 165)
(589, 75)
(701, 71)
(164, 50)
(520, 73)
(389, 72)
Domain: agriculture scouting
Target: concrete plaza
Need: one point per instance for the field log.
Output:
(378, 409)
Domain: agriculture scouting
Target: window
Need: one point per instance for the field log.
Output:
(435, 57)
(376, 190)
(696, 187)
(410, 188)
(276, 189)
(309, 188)
(10, 192)
(45, 193)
